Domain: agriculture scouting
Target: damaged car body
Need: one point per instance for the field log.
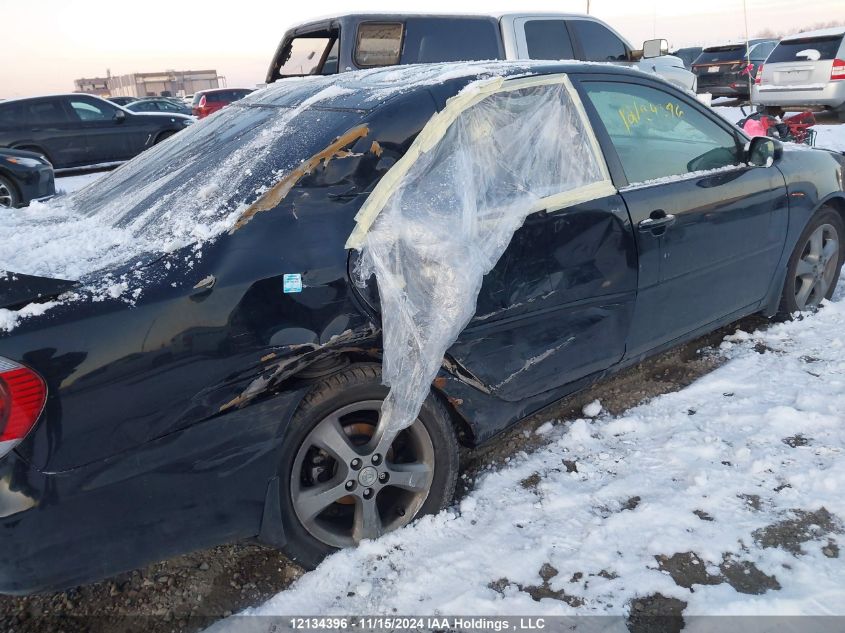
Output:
(230, 387)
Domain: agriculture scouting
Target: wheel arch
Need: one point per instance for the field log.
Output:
(12, 181)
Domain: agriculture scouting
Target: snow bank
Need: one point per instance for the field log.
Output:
(717, 469)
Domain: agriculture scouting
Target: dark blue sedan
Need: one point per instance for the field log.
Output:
(211, 369)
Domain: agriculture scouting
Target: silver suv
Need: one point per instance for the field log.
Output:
(804, 71)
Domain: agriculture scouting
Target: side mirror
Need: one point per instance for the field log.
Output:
(655, 48)
(763, 151)
(119, 116)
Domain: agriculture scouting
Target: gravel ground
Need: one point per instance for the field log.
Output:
(190, 592)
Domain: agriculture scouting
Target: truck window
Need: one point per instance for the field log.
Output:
(306, 56)
(430, 40)
(598, 42)
(378, 44)
(548, 39)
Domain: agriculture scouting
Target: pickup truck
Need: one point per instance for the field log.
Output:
(359, 41)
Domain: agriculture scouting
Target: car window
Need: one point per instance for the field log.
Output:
(548, 39)
(11, 116)
(806, 49)
(598, 42)
(656, 135)
(720, 54)
(143, 106)
(166, 106)
(44, 112)
(378, 43)
(90, 111)
(759, 52)
(306, 53)
(430, 40)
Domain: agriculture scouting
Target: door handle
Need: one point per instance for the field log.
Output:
(657, 220)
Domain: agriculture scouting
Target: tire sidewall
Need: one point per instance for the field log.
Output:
(16, 196)
(823, 216)
(301, 546)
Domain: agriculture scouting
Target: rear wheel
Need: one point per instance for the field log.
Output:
(8, 193)
(343, 481)
(815, 263)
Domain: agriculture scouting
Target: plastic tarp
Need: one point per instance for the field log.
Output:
(443, 216)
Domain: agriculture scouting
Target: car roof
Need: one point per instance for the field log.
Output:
(836, 30)
(444, 15)
(52, 96)
(366, 90)
(207, 90)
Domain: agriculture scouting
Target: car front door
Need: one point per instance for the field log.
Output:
(103, 124)
(709, 228)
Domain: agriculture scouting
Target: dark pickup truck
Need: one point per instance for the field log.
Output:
(368, 40)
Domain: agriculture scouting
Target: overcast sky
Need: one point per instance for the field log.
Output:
(49, 43)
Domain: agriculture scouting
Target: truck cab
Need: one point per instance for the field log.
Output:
(360, 41)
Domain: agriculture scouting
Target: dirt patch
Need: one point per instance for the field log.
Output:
(790, 534)
(795, 441)
(687, 569)
(541, 591)
(656, 614)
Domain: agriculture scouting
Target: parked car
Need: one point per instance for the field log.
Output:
(159, 104)
(79, 130)
(728, 70)
(687, 55)
(237, 394)
(804, 72)
(122, 101)
(210, 101)
(368, 40)
(24, 177)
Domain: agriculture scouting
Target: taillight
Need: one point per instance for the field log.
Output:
(202, 102)
(837, 71)
(22, 397)
(758, 78)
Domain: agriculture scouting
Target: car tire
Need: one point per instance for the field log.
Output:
(815, 264)
(9, 196)
(345, 405)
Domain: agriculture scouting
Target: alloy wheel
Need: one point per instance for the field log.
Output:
(6, 198)
(815, 271)
(351, 482)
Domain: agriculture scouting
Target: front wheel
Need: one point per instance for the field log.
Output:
(342, 482)
(815, 263)
(8, 193)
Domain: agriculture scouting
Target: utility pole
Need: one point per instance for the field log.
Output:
(588, 7)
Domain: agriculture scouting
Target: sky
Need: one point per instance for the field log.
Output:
(49, 43)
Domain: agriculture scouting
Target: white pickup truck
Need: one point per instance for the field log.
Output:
(365, 40)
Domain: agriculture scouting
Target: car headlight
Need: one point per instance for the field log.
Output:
(24, 161)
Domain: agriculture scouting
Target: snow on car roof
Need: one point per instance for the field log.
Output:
(836, 30)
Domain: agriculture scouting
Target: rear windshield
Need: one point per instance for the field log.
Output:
(806, 49)
(437, 40)
(225, 96)
(721, 54)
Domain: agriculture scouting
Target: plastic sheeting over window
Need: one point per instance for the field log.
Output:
(443, 216)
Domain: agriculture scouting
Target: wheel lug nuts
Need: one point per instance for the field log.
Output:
(368, 493)
(377, 459)
(383, 477)
(350, 485)
(356, 463)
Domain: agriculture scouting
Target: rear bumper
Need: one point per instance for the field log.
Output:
(193, 489)
(828, 96)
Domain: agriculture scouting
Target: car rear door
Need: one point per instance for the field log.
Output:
(107, 137)
(43, 123)
(710, 231)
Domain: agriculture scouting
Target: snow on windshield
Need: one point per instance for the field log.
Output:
(440, 220)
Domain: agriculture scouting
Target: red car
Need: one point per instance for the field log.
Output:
(210, 101)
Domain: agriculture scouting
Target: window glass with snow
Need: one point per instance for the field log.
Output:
(656, 135)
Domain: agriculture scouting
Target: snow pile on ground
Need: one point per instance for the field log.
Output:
(726, 495)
